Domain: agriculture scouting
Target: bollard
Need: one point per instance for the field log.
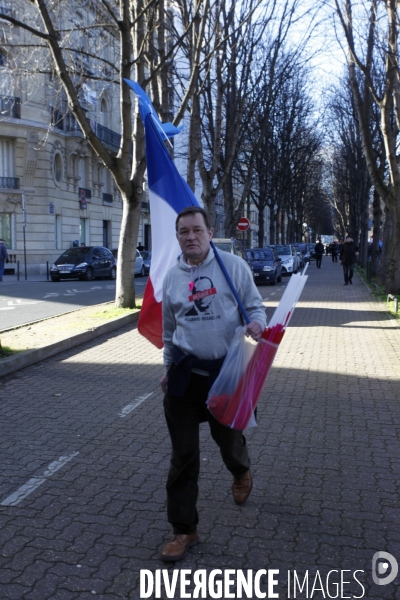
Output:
(47, 270)
(17, 270)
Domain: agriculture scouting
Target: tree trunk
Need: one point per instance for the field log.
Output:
(261, 228)
(376, 234)
(230, 225)
(387, 238)
(393, 264)
(364, 235)
(125, 289)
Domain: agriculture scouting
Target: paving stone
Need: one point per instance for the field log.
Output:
(325, 459)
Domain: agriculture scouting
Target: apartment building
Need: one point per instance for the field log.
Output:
(53, 188)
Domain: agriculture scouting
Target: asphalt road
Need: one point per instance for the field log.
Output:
(27, 301)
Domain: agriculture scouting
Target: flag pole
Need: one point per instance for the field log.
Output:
(230, 283)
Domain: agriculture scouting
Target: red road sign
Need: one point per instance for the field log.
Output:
(243, 224)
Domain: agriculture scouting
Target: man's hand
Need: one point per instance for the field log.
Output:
(164, 383)
(254, 330)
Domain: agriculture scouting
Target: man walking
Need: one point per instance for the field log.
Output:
(319, 250)
(348, 254)
(200, 316)
(3, 258)
(334, 250)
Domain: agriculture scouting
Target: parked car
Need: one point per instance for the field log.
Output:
(311, 249)
(233, 246)
(146, 255)
(290, 260)
(300, 253)
(139, 266)
(304, 250)
(85, 262)
(266, 265)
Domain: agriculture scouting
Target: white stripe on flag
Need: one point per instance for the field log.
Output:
(165, 247)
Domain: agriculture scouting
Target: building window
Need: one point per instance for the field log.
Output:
(58, 167)
(254, 216)
(3, 58)
(6, 158)
(5, 229)
(103, 113)
(82, 172)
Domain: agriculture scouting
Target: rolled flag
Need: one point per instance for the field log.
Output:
(235, 408)
(168, 195)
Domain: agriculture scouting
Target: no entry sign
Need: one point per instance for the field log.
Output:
(243, 224)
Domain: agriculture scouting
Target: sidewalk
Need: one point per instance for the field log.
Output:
(30, 278)
(84, 453)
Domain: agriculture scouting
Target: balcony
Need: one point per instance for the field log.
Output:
(107, 136)
(108, 198)
(10, 107)
(10, 183)
(65, 121)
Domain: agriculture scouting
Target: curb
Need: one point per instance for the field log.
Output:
(29, 357)
(381, 305)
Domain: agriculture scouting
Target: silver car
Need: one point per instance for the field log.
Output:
(139, 266)
(290, 260)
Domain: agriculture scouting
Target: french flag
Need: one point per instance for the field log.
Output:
(168, 194)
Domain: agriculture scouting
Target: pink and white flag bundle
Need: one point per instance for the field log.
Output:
(235, 393)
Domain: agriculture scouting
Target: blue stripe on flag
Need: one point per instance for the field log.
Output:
(163, 177)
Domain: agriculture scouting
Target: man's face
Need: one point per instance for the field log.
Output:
(194, 237)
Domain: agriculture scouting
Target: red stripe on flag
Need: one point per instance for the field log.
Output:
(150, 318)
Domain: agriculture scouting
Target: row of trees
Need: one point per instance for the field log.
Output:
(367, 128)
(229, 71)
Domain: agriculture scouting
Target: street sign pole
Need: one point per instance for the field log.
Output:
(243, 226)
(24, 226)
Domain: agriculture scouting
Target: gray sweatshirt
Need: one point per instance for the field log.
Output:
(200, 313)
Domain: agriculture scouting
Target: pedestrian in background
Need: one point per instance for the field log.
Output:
(200, 317)
(348, 256)
(319, 251)
(334, 252)
(3, 258)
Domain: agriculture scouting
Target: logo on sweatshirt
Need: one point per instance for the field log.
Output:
(202, 296)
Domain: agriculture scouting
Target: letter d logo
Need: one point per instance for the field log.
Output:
(380, 568)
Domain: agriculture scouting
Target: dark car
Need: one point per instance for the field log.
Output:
(233, 246)
(266, 265)
(85, 262)
(146, 255)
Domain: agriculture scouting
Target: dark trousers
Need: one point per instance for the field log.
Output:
(348, 273)
(318, 258)
(334, 257)
(184, 416)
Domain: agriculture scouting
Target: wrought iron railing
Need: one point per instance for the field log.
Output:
(108, 197)
(10, 107)
(11, 183)
(65, 121)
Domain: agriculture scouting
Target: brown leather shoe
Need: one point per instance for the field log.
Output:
(177, 548)
(241, 488)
